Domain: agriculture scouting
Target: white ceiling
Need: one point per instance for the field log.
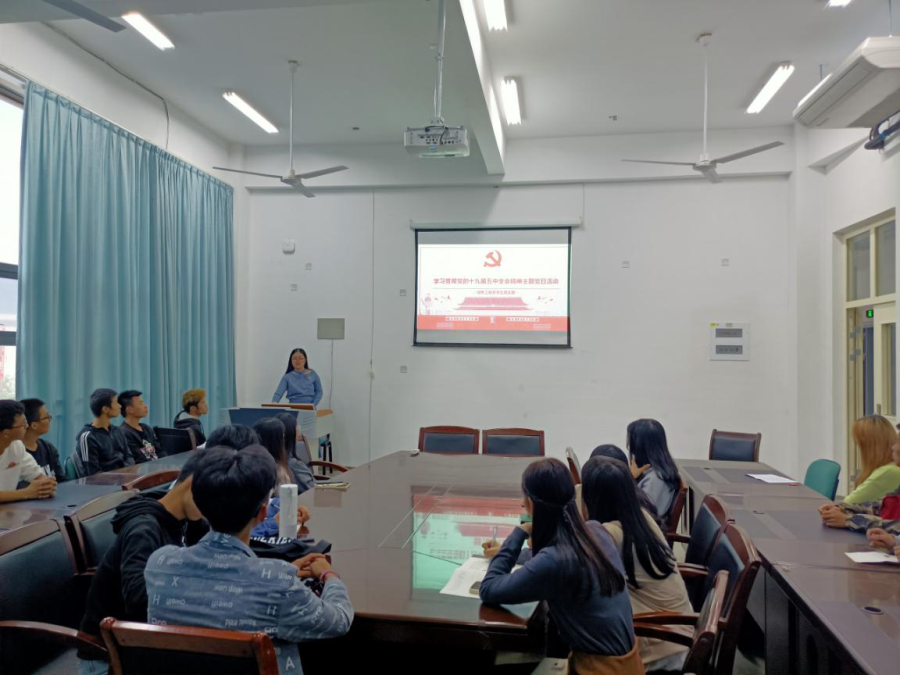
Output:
(367, 63)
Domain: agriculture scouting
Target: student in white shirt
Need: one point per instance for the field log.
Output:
(15, 461)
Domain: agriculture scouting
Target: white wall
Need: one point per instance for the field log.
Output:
(829, 200)
(640, 335)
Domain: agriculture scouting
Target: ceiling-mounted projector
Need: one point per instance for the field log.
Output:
(437, 140)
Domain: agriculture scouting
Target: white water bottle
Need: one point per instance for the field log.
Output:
(287, 515)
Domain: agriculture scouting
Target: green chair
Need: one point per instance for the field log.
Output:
(822, 476)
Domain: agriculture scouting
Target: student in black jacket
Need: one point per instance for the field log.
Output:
(194, 405)
(44, 452)
(141, 439)
(142, 525)
(101, 446)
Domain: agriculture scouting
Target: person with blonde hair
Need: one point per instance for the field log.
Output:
(193, 404)
(878, 474)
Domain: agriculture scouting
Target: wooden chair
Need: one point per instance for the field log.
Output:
(142, 649)
(513, 442)
(152, 480)
(175, 441)
(448, 440)
(40, 602)
(736, 554)
(733, 446)
(701, 645)
(676, 510)
(574, 465)
(301, 452)
(709, 524)
(90, 529)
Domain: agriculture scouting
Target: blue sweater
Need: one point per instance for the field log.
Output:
(593, 624)
(300, 387)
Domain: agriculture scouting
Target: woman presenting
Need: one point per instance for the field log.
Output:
(301, 384)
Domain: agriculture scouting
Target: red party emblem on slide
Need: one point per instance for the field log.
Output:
(493, 259)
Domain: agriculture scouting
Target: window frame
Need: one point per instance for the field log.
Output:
(9, 93)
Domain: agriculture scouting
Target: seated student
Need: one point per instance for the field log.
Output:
(194, 405)
(292, 436)
(220, 583)
(234, 436)
(273, 437)
(863, 516)
(615, 452)
(879, 473)
(651, 464)
(654, 583)
(578, 573)
(101, 446)
(141, 439)
(142, 525)
(44, 452)
(16, 464)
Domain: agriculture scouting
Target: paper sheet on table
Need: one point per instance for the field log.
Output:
(772, 478)
(467, 574)
(873, 557)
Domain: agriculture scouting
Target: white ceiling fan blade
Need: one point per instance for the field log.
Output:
(322, 172)
(651, 161)
(86, 13)
(298, 186)
(712, 176)
(746, 153)
(249, 173)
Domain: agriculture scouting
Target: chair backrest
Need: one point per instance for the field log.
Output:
(734, 446)
(513, 442)
(90, 528)
(73, 467)
(823, 476)
(175, 441)
(709, 523)
(699, 659)
(141, 649)
(449, 440)
(574, 465)
(677, 507)
(736, 554)
(152, 480)
(37, 583)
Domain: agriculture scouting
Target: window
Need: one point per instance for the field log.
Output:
(10, 145)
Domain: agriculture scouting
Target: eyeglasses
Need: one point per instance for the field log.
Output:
(19, 426)
(48, 418)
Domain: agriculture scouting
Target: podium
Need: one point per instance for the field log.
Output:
(318, 424)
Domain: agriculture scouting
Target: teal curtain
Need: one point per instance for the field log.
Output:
(125, 277)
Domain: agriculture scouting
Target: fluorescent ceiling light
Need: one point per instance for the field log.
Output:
(250, 112)
(495, 13)
(779, 77)
(814, 89)
(148, 30)
(838, 3)
(510, 92)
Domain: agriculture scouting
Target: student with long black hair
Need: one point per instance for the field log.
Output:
(615, 452)
(302, 473)
(651, 464)
(610, 497)
(271, 436)
(578, 574)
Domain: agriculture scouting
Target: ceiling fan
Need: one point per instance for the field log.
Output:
(87, 13)
(705, 164)
(295, 180)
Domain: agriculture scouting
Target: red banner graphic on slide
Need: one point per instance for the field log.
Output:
(552, 324)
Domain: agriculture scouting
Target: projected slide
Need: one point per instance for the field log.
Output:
(493, 287)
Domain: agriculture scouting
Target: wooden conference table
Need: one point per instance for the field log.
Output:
(820, 612)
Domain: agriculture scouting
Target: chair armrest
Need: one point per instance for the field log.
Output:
(690, 571)
(665, 619)
(660, 633)
(87, 645)
(680, 538)
(329, 465)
